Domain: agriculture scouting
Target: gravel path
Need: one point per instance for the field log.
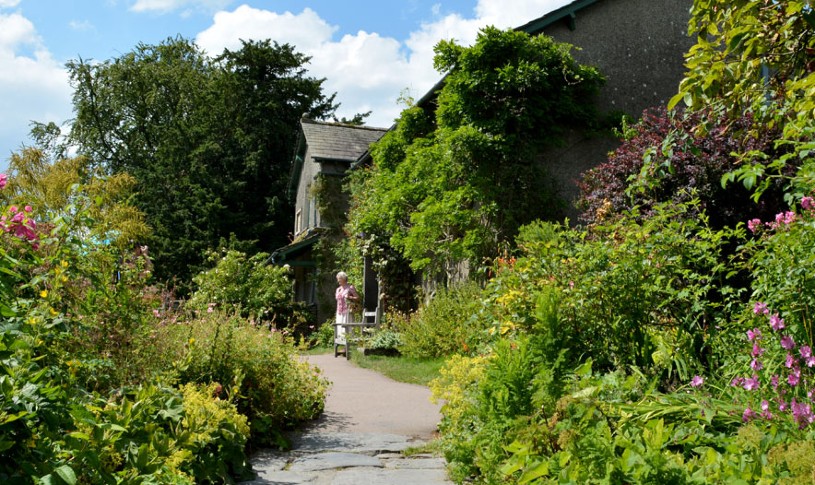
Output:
(368, 421)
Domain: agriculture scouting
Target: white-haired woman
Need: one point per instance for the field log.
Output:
(345, 294)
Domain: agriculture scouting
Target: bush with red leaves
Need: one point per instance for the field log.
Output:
(684, 163)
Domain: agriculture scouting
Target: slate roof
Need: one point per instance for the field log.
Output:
(334, 141)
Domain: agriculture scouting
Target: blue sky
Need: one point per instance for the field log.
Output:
(369, 51)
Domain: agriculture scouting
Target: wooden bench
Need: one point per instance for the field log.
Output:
(353, 332)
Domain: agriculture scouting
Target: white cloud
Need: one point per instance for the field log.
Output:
(164, 6)
(39, 83)
(307, 31)
(495, 12)
(81, 25)
(9, 3)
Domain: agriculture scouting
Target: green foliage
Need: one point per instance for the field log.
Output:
(447, 325)
(88, 361)
(456, 187)
(207, 141)
(245, 284)
(736, 68)
(217, 347)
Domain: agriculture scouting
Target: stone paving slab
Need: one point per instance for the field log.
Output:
(369, 421)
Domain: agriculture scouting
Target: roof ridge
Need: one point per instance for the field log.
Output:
(305, 119)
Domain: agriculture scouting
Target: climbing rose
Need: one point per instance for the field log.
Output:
(753, 225)
(3, 180)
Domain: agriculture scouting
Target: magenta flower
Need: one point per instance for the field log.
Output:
(753, 225)
(774, 381)
(787, 342)
(794, 378)
(765, 409)
(756, 365)
(790, 361)
(810, 361)
(754, 334)
(806, 351)
(760, 308)
(757, 351)
(807, 203)
(28, 208)
(697, 381)
(802, 413)
(737, 381)
(789, 217)
(782, 406)
(748, 415)
(776, 322)
(3, 180)
(751, 384)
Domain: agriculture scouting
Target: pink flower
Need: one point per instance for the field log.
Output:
(753, 225)
(787, 342)
(28, 208)
(760, 308)
(807, 203)
(789, 217)
(810, 361)
(790, 361)
(3, 180)
(13, 209)
(697, 381)
(156, 313)
(765, 409)
(757, 351)
(776, 322)
(774, 381)
(806, 351)
(802, 413)
(751, 384)
(754, 334)
(756, 365)
(748, 415)
(782, 406)
(794, 378)
(737, 381)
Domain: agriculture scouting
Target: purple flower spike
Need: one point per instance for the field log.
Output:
(787, 342)
(776, 322)
(697, 381)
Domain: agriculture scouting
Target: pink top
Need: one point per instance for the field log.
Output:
(342, 294)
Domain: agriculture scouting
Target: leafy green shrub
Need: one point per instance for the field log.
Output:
(384, 339)
(325, 334)
(249, 285)
(276, 389)
(447, 325)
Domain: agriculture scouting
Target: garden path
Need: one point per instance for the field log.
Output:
(368, 421)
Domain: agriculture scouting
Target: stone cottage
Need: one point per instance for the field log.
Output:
(323, 155)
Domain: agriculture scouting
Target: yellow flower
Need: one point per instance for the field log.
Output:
(63, 263)
(44, 294)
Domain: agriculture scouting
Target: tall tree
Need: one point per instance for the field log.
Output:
(209, 141)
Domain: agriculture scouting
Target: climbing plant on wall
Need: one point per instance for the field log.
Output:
(454, 184)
